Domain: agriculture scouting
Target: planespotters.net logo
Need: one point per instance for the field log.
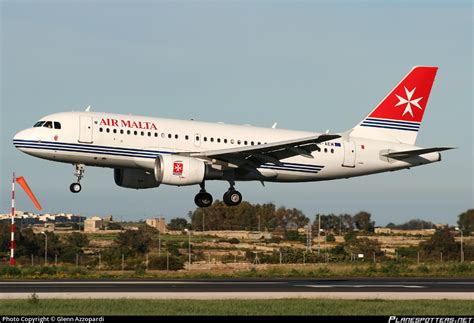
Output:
(395, 319)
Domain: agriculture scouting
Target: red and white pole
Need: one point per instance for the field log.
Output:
(12, 244)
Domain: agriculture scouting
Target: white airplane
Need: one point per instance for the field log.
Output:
(146, 152)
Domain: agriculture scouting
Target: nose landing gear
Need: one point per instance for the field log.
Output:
(79, 173)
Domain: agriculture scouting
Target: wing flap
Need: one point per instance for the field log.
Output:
(274, 151)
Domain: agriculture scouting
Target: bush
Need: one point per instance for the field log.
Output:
(275, 239)
(233, 241)
(331, 238)
(423, 269)
(292, 235)
(48, 270)
(159, 263)
(10, 271)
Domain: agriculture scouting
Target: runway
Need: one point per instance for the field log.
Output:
(402, 288)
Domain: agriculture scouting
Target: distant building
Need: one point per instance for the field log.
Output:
(92, 224)
(382, 231)
(157, 223)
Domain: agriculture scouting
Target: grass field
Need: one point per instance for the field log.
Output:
(235, 307)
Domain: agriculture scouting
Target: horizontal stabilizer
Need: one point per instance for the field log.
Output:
(416, 152)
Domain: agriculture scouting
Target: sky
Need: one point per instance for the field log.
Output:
(308, 65)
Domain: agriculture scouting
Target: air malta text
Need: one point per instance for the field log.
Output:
(146, 125)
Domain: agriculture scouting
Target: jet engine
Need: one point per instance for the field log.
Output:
(134, 178)
(179, 170)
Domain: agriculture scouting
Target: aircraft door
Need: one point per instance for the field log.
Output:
(349, 154)
(85, 129)
(197, 140)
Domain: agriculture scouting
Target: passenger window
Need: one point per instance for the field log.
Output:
(205, 138)
(218, 139)
(259, 143)
(225, 141)
(156, 134)
(176, 136)
(197, 138)
(332, 151)
(325, 150)
(232, 141)
(100, 129)
(48, 124)
(121, 131)
(57, 125)
(163, 135)
(252, 143)
(212, 139)
(128, 132)
(186, 137)
(115, 130)
(38, 124)
(142, 133)
(238, 142)
(135, 132)
(245, 142)
(169, 135)
(149, 134)
(107, 130)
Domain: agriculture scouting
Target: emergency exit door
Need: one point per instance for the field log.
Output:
(349, 154)
(85, 129)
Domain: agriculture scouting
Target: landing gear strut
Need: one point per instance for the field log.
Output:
(203, 198)
(79, 173)
(232, 197)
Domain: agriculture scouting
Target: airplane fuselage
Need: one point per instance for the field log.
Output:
(126, 141)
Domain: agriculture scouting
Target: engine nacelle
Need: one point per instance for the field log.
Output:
(134, 178)
(179, 170)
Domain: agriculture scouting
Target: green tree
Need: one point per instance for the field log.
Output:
(441, 241)
(27, 243)
(178, 224)
(363, 245)
(5, 228)
(287, 217)
(78, 240)
(132, 242)
(466, 221)
(362, 221)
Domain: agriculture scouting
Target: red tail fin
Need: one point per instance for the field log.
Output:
(398, 116)
(408, 100)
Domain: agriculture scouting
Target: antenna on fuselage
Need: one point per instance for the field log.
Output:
(274, 125)
(88, 108)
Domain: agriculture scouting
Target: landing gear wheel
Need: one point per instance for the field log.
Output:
(79, 174)
(203, 199)
(232, 197)
(75, 187)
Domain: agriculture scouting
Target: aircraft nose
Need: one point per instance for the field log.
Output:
(21, 138)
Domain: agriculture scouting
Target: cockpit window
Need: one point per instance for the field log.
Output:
(57, 125)
(39, 124)
(48, 124)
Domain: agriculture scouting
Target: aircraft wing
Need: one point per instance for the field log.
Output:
(271, 152)
(411, 153)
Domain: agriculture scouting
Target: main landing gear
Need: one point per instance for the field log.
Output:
(203, 198)
(79, 173)
(231, 198)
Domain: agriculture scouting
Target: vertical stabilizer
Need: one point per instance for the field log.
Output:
(398, 116)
